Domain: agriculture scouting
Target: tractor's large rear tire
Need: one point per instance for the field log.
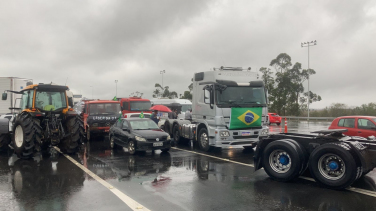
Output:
(27, 134)
(75, 128)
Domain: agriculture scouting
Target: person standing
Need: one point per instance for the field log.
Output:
(188, 114)
(174, 114)
(154, 116)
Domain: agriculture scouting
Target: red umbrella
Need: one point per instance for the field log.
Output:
(161, 108)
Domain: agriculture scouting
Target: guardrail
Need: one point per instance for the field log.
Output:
(310, 118)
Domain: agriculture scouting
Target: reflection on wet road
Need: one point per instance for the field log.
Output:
(175, 180)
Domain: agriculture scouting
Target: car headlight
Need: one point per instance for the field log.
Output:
(168, 137)
(264, 132)
(138, 138)
(224, 134)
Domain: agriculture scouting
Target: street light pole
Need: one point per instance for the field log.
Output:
(307, 44)
(162, 72)
(116, 88)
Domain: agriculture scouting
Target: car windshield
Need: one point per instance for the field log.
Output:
(146, 124)
(140, 105)
(104, 108)
(184, 108)
(50, 100)
(241, 95)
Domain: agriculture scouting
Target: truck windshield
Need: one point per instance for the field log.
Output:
(241, 96)
(50, 101)
(104, 108)
(184, 108)
(140, 105)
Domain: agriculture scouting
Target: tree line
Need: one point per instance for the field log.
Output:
(340, 109)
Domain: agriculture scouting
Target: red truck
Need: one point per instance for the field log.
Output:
(99, 116)
(132, 106)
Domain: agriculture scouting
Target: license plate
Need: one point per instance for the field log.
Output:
(246, 133)
(159, 144)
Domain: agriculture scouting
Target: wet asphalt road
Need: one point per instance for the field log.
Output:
(183, 179)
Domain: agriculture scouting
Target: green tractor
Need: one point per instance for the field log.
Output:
(45, 118)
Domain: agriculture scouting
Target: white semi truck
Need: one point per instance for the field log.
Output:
(229, 110)
(13, 84)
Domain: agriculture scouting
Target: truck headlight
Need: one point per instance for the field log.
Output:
(168, 137)
(264, 132)
(224, 134)
(138, 138)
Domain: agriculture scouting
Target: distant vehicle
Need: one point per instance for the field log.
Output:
(182, 105)
(139, 135)
(12, 84)
(274, 118)
(134, 105)
(99, 115)
(363, 126)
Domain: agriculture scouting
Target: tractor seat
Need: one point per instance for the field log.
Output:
(49, 108)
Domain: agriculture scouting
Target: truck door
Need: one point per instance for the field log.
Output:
(366, 128)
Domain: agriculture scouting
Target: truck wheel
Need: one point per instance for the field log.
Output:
(281, 160)
(26, 136)
(203, 140)
(333, 165)
(75, 131)
(131, 147)
(176, 134)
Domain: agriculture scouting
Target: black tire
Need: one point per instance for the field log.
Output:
(132, 147)
(203, 140)
(27, 132)
(176, 134)
(75, 131)
(165, 149)
(279, 153)
(5, 140)
(335, 157)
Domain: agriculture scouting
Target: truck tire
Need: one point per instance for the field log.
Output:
(203, 140)
(75, 131)
(281, 160)
(26, 136)
(332, 165)
(176, 134)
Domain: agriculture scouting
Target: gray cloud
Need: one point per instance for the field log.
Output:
(95, 43)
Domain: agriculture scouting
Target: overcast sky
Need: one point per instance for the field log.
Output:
(94, 43)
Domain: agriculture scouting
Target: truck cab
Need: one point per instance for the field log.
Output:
(133, 106)
(99, 116)
(230, 107)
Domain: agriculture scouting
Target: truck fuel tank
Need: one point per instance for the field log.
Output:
(188, 131)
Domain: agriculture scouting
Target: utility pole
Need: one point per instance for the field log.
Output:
(116, 88)
(307, 44)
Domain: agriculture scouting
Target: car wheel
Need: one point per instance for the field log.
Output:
(204, 140)
(131, 147)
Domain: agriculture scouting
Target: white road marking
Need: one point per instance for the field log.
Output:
(357, 190)
(126, 199)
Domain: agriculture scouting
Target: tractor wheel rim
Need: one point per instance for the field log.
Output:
(18, 181)
(18, 136)
(280, 161)
(204, 140)
(331, 166)
(131, 146)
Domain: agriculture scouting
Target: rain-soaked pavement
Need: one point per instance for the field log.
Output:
(183, 179)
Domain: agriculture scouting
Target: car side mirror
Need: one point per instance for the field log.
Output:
(4, 96)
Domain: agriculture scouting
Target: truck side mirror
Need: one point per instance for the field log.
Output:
(4, 96)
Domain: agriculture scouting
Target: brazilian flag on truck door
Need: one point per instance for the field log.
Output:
(245, 118)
